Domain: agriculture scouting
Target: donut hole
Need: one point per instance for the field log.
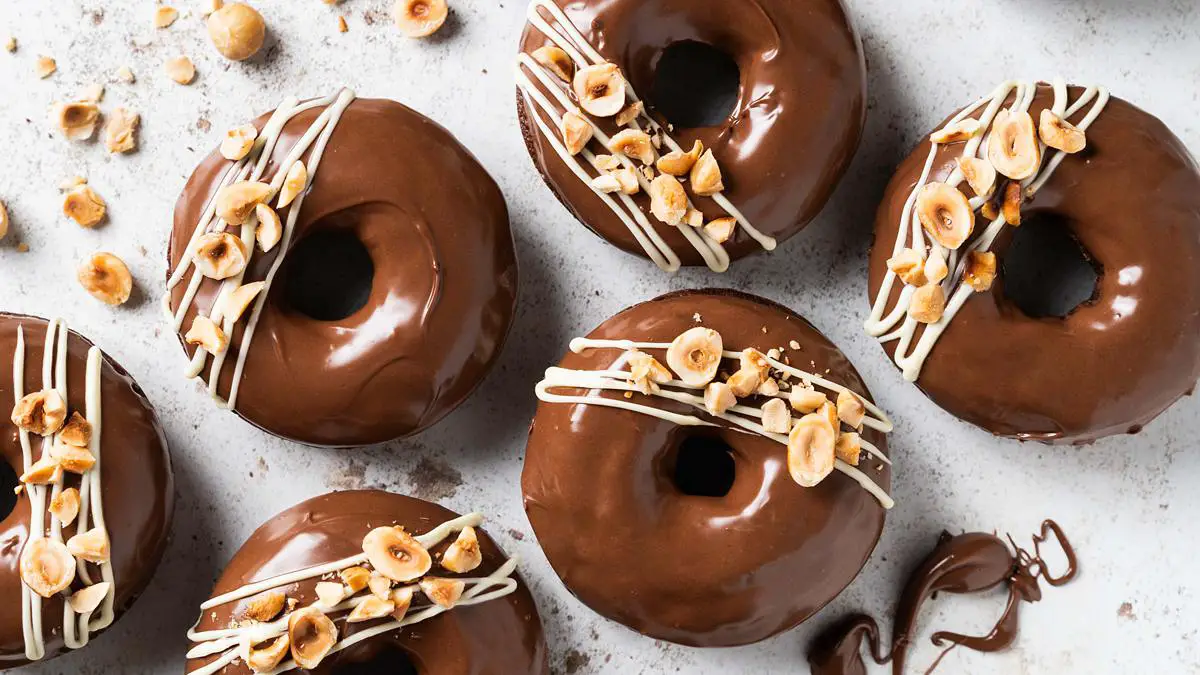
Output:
(391, 660)
(8, 485)
(328, 275)
(703, 466)
(1047, 272)
(695, 85)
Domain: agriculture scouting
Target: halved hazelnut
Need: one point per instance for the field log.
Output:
(629, 113)
(804, 400)
(47, 567)
(42, 472)
(312, 635)
(980, 270)
(264, 657)
(401, 601)
(1013, 145)
(236, 202)
(928, 304)
(850, 409)
(120, 133)
(963, 130)
(269, 229)
(695, 356)
(293, 184)
(811, 449)
(668, 201)
(265, 606)
(42, 412)
(329, 593)
(556, 61)
(1014, 196)
(848, 448)
(606, 183)
(395, 554)
(77, 432)
(71, 458)
(238, 142)
(633, 144)
(720, 229)
(239, 300)
(355, 578)
(442, 592)
(44, 67)
(945, 214)
(84, 206)
(207, 335)
(237, 31)
(679, 163)
(935, 268)
(576, 131)
(718, 398)
(600, 89)
(464, 554)
(91, 546)
(744, 382)
(369, 609)
(87, 600)
(77, 119)
(909, 266)
(65, 506)
(106, 278)
(220, 255)
(180, 69)
(777, 419)
(419, 18)
(1060, 134)
(980, 175)
(706, 175)
(380, 586)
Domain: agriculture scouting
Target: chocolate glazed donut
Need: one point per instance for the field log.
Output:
(628, 532)
(1131, 202)
(396, 295)
(137, 485)
(775, 88)
(498, 637)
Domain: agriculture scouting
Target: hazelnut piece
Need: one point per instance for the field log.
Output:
(962, 130)
(65, 506)
(576, 131)
(419, 18)
(293, 184)
(928, 304)
(44, 67)
(556, 61)
(207, 335)
(84, 206)
(71, 458)
(908, 265)
(239, 299)
(396, 554)
(776, 419)
(980, 270)
(848, 448)
(91, 546)
(381, 586)
(752, 359)
(236, 202)
(443, 592)
(720, 229)
(668, 201)
(42, 472)
(806, 400)
(811, 449)
(629, 113)
(935, 268)
(180, 69)
(165, 16)
(312, 635)
(600, 89)
(633, 144)
(42, 412)
(269, 230)
(3, 220)
(646, 373)
(329, 593)
(850, 409)
(355, 578)
(266, 656)
(77, 120)
(464, 555)
(237, 31)
(1013, 198)
(238, 142)
(980, 175)
(718, 398)
(744, 382)
(1060, 134)
(47, 567)
(945, 214)
(706, 175)
(264, 606)
(120, 133)
(220, 255)
(1013, 145)
(369, 609)
(627, 181)
(679, 163)
(106, 278)
(86, 600)
(401, 601)
(695, 356)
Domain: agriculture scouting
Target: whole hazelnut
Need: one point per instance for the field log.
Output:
(237, 31)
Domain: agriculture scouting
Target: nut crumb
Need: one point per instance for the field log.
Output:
(180, 69)
(120, 133)
(164, 16)
(45, 67)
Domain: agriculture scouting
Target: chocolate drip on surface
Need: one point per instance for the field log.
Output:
(967, 563)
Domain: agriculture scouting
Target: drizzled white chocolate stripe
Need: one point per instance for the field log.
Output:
(744, 418)
(895, 323)
(565, 35)
(252, 168)
(228, 641)
(77, 628)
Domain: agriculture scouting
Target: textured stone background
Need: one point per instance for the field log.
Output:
(1125, 502)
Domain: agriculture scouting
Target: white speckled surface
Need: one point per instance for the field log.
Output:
(1128, 503)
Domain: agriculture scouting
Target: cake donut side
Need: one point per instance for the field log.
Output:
(86, 490)
(970, 297)
(341, 272)
(369, 581)
(697, 453)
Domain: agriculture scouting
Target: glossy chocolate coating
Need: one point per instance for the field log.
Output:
(499, 637)
(798, 120)
(136, 481)
(703, 571)
(440, 306)
(1132, 199)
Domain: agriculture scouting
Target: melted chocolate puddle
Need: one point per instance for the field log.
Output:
(967, 563)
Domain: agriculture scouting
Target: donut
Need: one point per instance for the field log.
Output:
(367, 285)
(691, 133)
(1070, 279)
(85, 509)
(665, 507)
(303, 591)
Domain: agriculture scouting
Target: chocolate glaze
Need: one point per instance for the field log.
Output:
(966, 563)
(442, 301)
(798, 120)
(703, 571)
(499, 637)
(137, 482)
(1133, 201)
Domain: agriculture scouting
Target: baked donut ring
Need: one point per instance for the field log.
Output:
(686, 525)
(397, 290)
(1128, 207)
(775, 89)
(126, 509)
(491, 628)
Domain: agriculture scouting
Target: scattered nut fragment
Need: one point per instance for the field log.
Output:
(980, 270)
(65, 506)
(1013, 145)
(401, 601)
(576, 131)
(93, 93)
(207, 335)
(10, 44)
(443, 592)
(989, 210)
(120, 133)
(181, 69)
(776, 419)
(269, 230)
(237, 31)
(720, 229)
(42, 412)
(744, 382)
(556, 61)
(945, 214)
(380, 586)
(266, 656)
(236, 202)
(164, 16)
(629, 113)
(265, 606)
(600, 89)
(77, 120)
(679, 163)
(45, 67)
(1014, 196)
(1060, 134)
(238, 142)
(928, 304)
(848, 448)
(355, 578)
(239, 299)
(646, 372)
(106, 277)
(850, 409)
(935, 268)
(47, 566)
(419, 18)
(293, 184)
(627, 180)
(980, 175)
(369, 609)
(718, 398)
(71, 458)
(341, 24)
(42, 472)
(908, 265)
(633, 144)
(668, 201)
(91, 546)
(3, 220)
(963, 130)
(312, 635)
(811, 449)
(395, 554)
(87, 600)
(220, 255)
(124, 74)
(695, 356)
(752, 359)
(329, 593)
(83, 205)
(706, 175)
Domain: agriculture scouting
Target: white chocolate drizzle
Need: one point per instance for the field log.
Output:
(77, 628)
(229, 642)
(744, 418)
(252, 168)
(546, 116)
(895, 324)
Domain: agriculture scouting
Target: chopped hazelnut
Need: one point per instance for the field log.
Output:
(777, 419)
(3, 220)
(396, 554)
(718, 398)
(804, 400)
(220, 255)
(264, 657)
(633, 144)
(1060, 134)
(47, 566)
(442, 592)
(720, 229)
(600, 89)
(106, 278)
(293, 184)
(850, 409)
(355, 578)
(963, 130)
(341, 24)
(1013, 198)
(946, 214)
(165, 16)
(45, 67)
(329, 593)
(419, 18)
(77, 120)
(65, 506)
(935, 268)
(312, 636)
(811, 449)
(84, 206)
(207, 335)
(706, 175)
(556, 61)
(124, 74)
(908, 265)
(235, 203)
(269, 230)
(238, 142)
(180, 69)
(980, 270)
(629, 113)
(264, 606)
(576, 131)
(42, 472)
(120, 133)
(980, 175)
(87, 600)
(1013, 146)
(464, 555)
(71, 458)
(239, 299)
(668, 201)
(744, 382)
(91, 546)
(369, 609)
(928, 304)
(679, 163)
(77, 431)
(848, 448)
